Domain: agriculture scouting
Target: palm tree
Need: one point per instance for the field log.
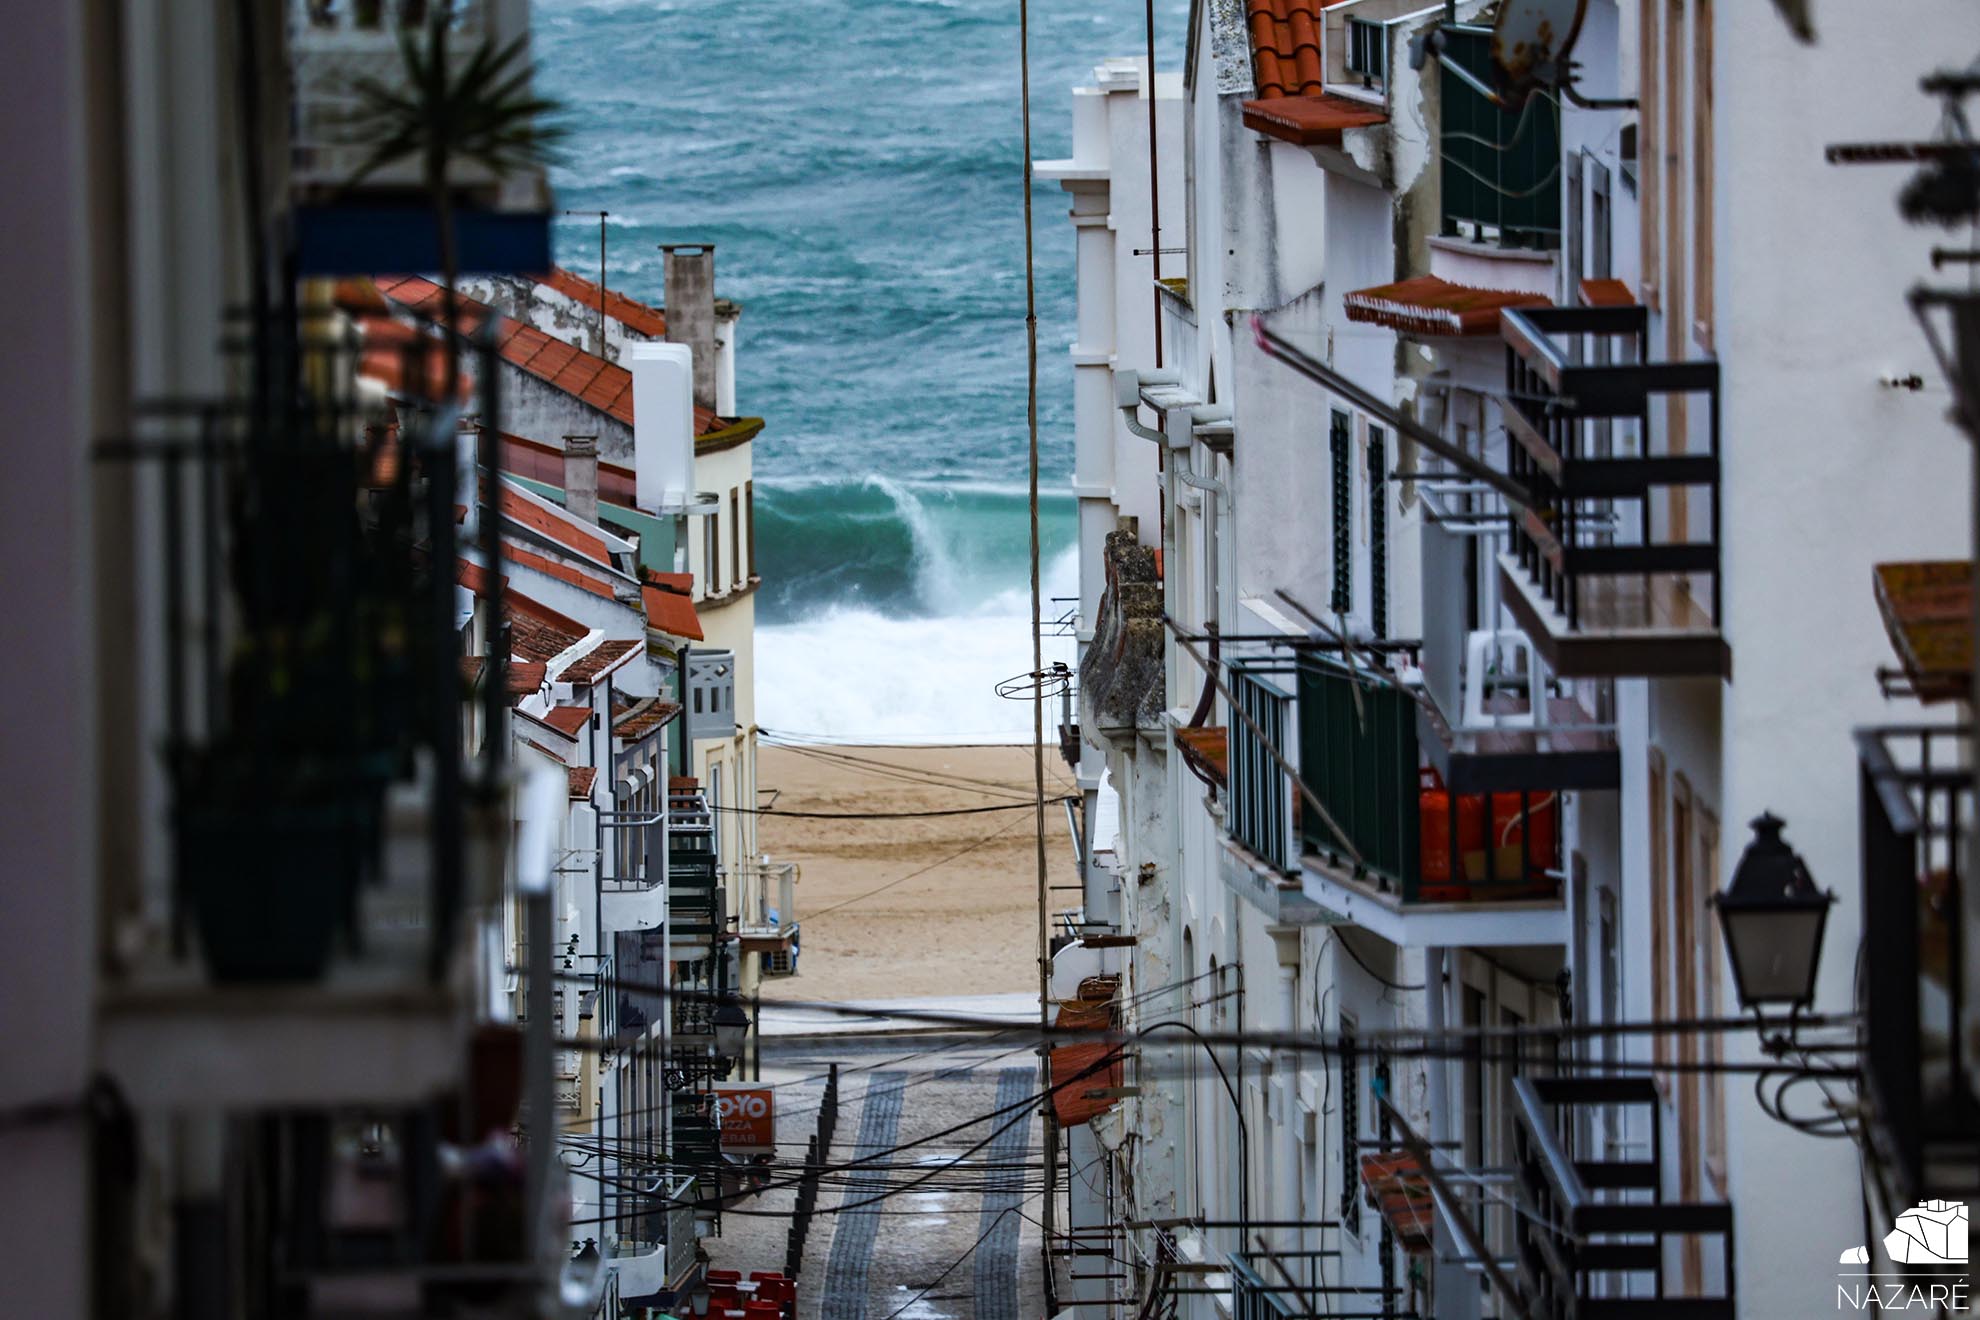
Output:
(485, 114)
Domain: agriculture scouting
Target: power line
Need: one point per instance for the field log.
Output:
(890, 815)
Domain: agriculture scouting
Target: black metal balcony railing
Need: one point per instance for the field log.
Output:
(1359, 754)
(1611, 542)
(306, 560)
(1598, 1229)
(1920, 1079)
(1500, 169)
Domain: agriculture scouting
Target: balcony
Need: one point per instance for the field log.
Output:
(1396, 850)
(697, 903)
(1921, 1056)
(1492, 718)
(768, 924)
(632, 869)
(1592, 1243)
(384, 223)
(1253, 1298)
(653, 1253)
(1499, 169)
(335, 856)
(1605, 569)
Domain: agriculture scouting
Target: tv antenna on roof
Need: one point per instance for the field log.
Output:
(1532, 42)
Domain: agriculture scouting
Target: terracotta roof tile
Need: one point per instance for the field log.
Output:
(1427, 305)
(567, 720)
(471, 667)
(558, 757)
(565, 529)
(525, 676)
(1311, 120)
(643, 718)
(605, 656)
(648, 321)
(1285, 46)
(582, 778)
(671, 613)
(567, 573)
(607, 386)
(681, 584)
(1395, 1185)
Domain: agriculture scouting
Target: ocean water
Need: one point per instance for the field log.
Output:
(858, 165)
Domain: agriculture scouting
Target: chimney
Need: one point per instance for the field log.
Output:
(581, 476)
(690, 298)
(663, 425)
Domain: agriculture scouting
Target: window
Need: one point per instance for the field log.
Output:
(1350, 1127)
(1337, 444)
(1367, 53)
(749, 511)
(1378, 532)
(1701, 173)
(711, 554)
(735, 534)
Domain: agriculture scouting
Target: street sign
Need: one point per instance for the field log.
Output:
(747, 1113)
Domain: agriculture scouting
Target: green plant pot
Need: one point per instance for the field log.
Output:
(269, 888)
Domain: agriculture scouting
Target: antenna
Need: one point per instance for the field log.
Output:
(1531, 41)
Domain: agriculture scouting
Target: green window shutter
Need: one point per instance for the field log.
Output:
(1337, 440)
(1378, 532)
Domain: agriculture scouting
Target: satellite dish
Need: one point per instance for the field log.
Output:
(1531, 41)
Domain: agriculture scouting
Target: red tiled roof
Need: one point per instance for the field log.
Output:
(545, 463)
(471, 667)
(680, 583)
(582, 778)
(567, 720)
(1316, 120)
(634, 315)
(1285, 46)
(671, 613)
(1427, 305)
(1607, 293)
(606, 386)
(474, 577)
(643, 718)
(537, 632)
(357, 295)
(588, 668)
(553, 524)
(569, 573)
(525, 677)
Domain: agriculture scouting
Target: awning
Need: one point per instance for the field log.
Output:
(671, 613)
(1606, 293)
(1208, 749)
(1928, 611)
(1310, 121)
(1428, 305)
(1399, 1192)
(1080, 1067)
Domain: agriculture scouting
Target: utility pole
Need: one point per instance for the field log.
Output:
(601, 273)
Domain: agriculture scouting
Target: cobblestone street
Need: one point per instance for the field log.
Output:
(963, 1244)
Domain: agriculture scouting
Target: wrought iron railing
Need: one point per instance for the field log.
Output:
(1921, 1081)
(306, 589)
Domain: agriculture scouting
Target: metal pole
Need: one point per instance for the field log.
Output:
(1154, 190)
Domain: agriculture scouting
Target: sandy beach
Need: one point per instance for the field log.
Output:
(941, 905)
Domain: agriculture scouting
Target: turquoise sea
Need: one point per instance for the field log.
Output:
(858, 165)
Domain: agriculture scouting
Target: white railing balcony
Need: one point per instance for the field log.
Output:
(768, 903)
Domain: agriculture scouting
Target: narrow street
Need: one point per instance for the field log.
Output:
(939, 1220)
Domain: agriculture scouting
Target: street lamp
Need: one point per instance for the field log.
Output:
(731, 1027)
(1772, 917)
